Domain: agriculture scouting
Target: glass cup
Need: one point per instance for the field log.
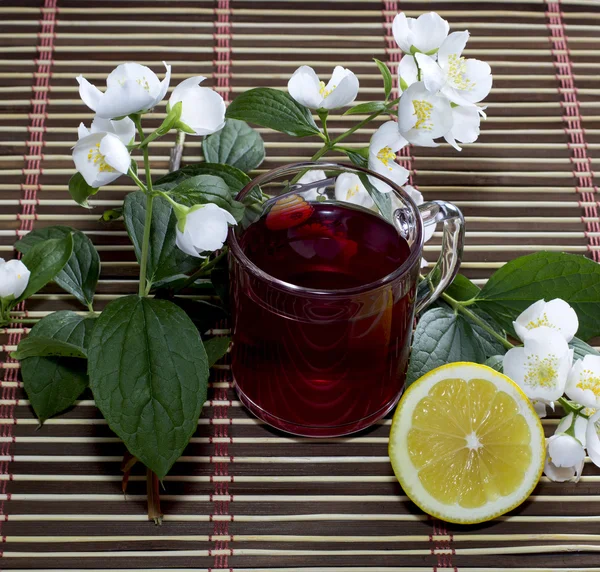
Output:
(325, 353)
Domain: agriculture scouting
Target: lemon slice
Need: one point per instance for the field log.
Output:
(466, 443)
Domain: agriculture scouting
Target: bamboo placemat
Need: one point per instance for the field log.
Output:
(245, 497)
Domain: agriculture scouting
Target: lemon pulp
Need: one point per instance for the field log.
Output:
(469, 442)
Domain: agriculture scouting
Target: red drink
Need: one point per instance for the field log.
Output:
(328, 358)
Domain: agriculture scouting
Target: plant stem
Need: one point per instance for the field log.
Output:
(137, 180)
(569, 407)
(202, 270)
(144, 288)
(459, 307)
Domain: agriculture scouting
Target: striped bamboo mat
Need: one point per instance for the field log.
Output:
(245, 497)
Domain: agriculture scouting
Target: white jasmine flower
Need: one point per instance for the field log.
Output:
(306, 88)
(101, 158)
(556, 314)
(385, 142)
(541, 366)
(583, 383)
(203, 109)
(124, 128)
(462, 81)
(349, 188)
(130, 88)
(203, 229)
(423, 116)
(565, 455)
(14, 277)
(424, 34)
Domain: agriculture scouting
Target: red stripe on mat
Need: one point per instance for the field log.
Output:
(442, 549)
(223, 54)
(221, 449)
(389, 11)
(582, 166)
(35, 145)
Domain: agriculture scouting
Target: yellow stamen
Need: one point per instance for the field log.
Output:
(541, 371)
(457, 70)
(589, 381)
(99, 160)
(541, 321)
(323, 91)
(386, 155)
(352, 192)
(423, 112)
(144, 83)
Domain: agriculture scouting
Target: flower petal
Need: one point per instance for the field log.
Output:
(132, 71)
(559, 474)
(391, 170)
(430, 31)
(541, 366)
(480, 75)
(89, 93)
(305, 88)
(82, 131)
(565, 451)
(387, 135)
(344, 92)
(465, 126)
(115, 153)
(123, 99)
(164, 85)
(540, 408)
(583, 383)
(432, 74)
(203, 109)
(407, 72)
(556, 314)
(453, 45)
(402, 31)
(349, 188)
(124, 128)
(593, 438)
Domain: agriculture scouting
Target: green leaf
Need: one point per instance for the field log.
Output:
(203, 189)
(387, 77)
(237, 144)
(54, 383)
(357, 156)
(148, 372)
(164, 258)
(545, 275)
(111, 214)
(442, 337)
(581, 349)
(274, 109)
(235, 179)
(403, 85)
(490, 345)
(366, 108)
(43, 346)
(80, 190)
(462, 289)
(496, 362)
(81, 273)
(45, 260)
(253, 207)
(204, 314)
(382, 200)
(216, 348)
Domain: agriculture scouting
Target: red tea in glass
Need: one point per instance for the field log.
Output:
(323, 298)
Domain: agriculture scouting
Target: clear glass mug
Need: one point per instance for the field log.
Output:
(325, 362)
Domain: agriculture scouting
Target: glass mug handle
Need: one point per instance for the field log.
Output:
(446, 268)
